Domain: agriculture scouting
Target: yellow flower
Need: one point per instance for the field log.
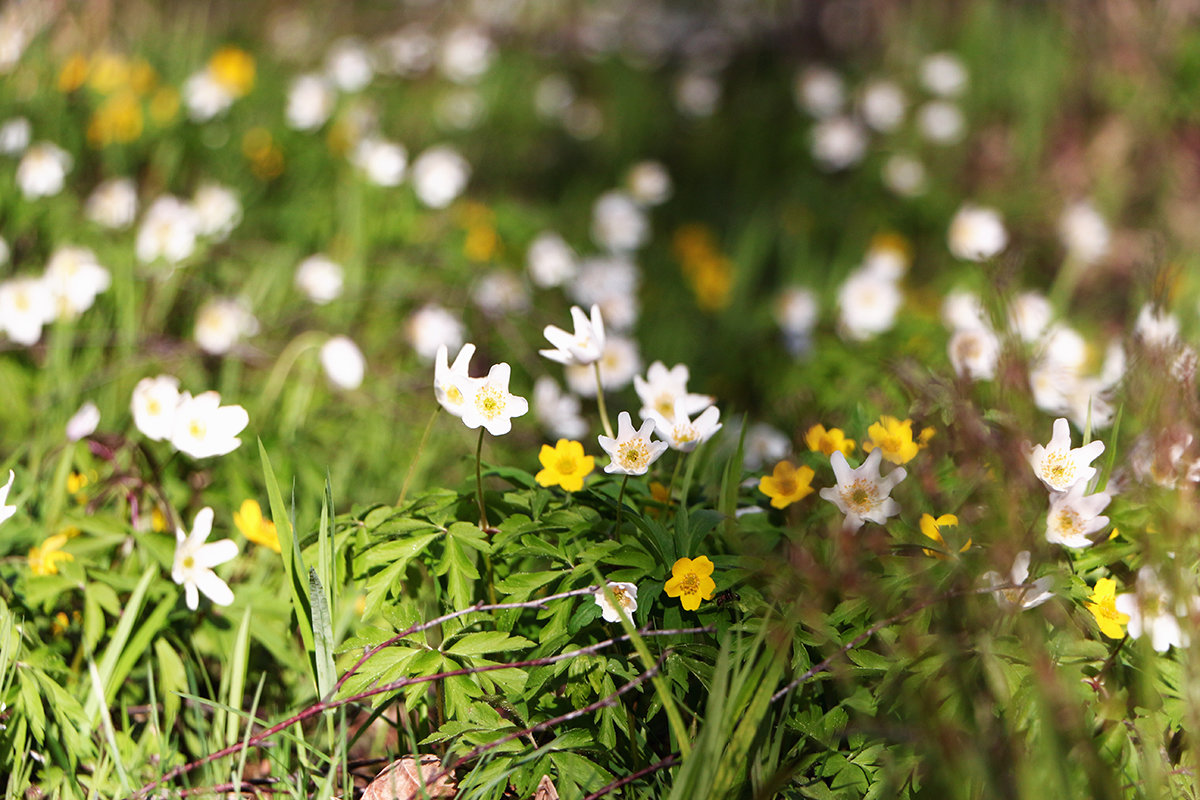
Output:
(691, 582)
(786, 484)
(564, 465)
(44, 558)
(73, 73)
(824, 441)
(932, 529)
(1103, 605)
(118, 119)
(895, 439)
(164, 104)
(266, 159)
(109, 71)
(233, 68)
(252, 525)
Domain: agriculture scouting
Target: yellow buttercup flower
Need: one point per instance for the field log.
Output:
(73, 73)
(250, 522)
(829, 441)
(931, 527)
(1103, 605)
(233, 68)
(44, 558)
(564, 465)
(118, 119)
(895, 439)
(691, 581)
(786, 484)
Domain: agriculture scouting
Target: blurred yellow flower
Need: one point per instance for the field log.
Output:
(824, 441)
(706, 269)
(73, 73)
(142, 76)
(117, 120)
(164, 105)
(158, 520)
(564, 465)
(44, 558)
(233, 68)
(265, 157)
(250, 522)
(932, 529)
(895, 439)
(691, 582)
(109, 72)
(75, 482)
(786, 484)
(1103, 605)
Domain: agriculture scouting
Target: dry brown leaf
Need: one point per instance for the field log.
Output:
(402, 780)
(545, 789)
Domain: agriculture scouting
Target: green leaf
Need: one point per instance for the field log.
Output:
(475, 644)
(293, 562)
(322, 635)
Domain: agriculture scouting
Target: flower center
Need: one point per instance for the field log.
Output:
(453, 394)
(153, 407)
(862, 495)
(1058, 467)
(690, 584)
(786, 486)
(685, 433)
(1069, 522)
(633, 454)
(196, 429)
(22, 301)
(566, 466)
(489, 402)
(665, 405)
(189, 562)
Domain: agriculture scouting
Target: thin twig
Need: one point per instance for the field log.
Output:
(669, 761)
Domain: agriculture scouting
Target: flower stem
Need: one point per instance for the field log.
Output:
(620, 505)
(674, 475)
(608, 431)
(483, 523)
(412, 467)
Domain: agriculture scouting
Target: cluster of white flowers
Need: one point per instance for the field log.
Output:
(1067, 473)
(170, 226)
(198, 426)
(69, 285)
(479, 402)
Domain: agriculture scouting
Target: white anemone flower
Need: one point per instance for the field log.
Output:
(619, 225)
(343, 363)
(348, 64)
(904, 175)
(862, 494)
(42, 170)
(1084, 232)
(168, 231)
(684, 434)
(1073, 517)
(218, 211)
(1153, 610)
(558, 411)
(632, 451)
(977, 233)
(1058, 465)
(619, 364)
(867, 305)
(649, 183)
(83, 422)
(489, 403)
(466, 54)
(194, 560)
(26, 306)
(764, 445)
(15, 135)
(974, 353)
(1029, 314)
(113, 204)
(205, 96)
(430, 327)
(944, 74)
(941, 122)
(221, 323)
(320, 278)
(838, 143)
(154, 403)
(550, 260)
(664, 391)
(626, 597)
(6, 510)
(75, 277)
(439, 175)
(1156, 327)
(585, 346)
(452, 384)
(310, 102)
(383, 162)
(1021, 596)
(883, 105)
(820, 91)
(204, 428)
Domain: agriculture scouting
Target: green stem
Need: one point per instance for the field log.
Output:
(620, 505)
(608, 431)
(412, 467)
(483, 523)
(674, 475)
(309, 340)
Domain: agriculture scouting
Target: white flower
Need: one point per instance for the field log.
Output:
(618, 224)
(439, 175)
(42, 170)
(7, 511)
(820, 91)
(977, 233)
(460, 109)
(1157, 328)
(583, 120)
(1023, 595)
(883, 105)
(1073, 517)
(15, 135)
(1152, 609)
(5, 251)
(626, 597)
(466, 54)
(221, 322)
(168, 231)
(218, 211)
(697, 94)
(113, 204)
(763, 445)
(684, 434)
(348, 65)
(558, 411)
(343, 363)
(962, 310)
(1060, 467)
(383, 162)
(632, 451)
(796, 310)
(664, 390)
(944, 74)
(941, 122)
(309, 103)
(204, 428)
(319, 278)
(838, 143)
(1029, 315)
(26, 305)
(205, 96)
(974, 353)
(452, 385)
(407, 52)
(194, 561)
(904, 175)
(552, 96)
(83, 422)
(861, 494)
(619, 363)
(867, 305)
(75, 278)
(154, 403)
(431, 327)
(488, 403)
(584, 347)
(500, 293)
(550, 260)
(612, 283)
(887, 259)
(1083, 232)
(649, 183)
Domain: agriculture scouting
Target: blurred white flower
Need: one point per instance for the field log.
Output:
(618, 224)
(820, 91)
(343, 363)
(319, 278)
(550, 260)
(904, 175)
(632, 451)
(1156, 327)
(883, 105)
(205, 96)
(500, 293)
(552, 96)
(619, 363)
(194, 561)
(888, 257)
(663, 391)
(489, 403)
(83, 422)
(439, 175)
(168, 231)
(407, 52)
(962, 310)
(862, 494)
(1022, 595)
(611, 283)
(838, 143)
(218, 211)
(1152, 609)
(649, 183)
(557, 411)
(154, 403)
(383, 162)
(310, 102)
(977, 233)
(466, 54)
(431, 327)
(75, 277)
(583, 120)
(697, 94)
(6, 510)
(1029, 314)
(1084, 232)
(204, 428)
(461, 109)
(113, 204)
(348, 65)
(42, 170)
(974, 353)
(626, 597)
(1073, 517)
(5, 252)
(867, 305)
(221, 322)
(15, 135)
(26, 305)
(941, 122)
(763, 444)
(584, 346)
(944, 74)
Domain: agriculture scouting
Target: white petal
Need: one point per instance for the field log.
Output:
(1020, 569)
(192, 596)
(214, 588)
(201, 526)
(214, 553)
(841, 470)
